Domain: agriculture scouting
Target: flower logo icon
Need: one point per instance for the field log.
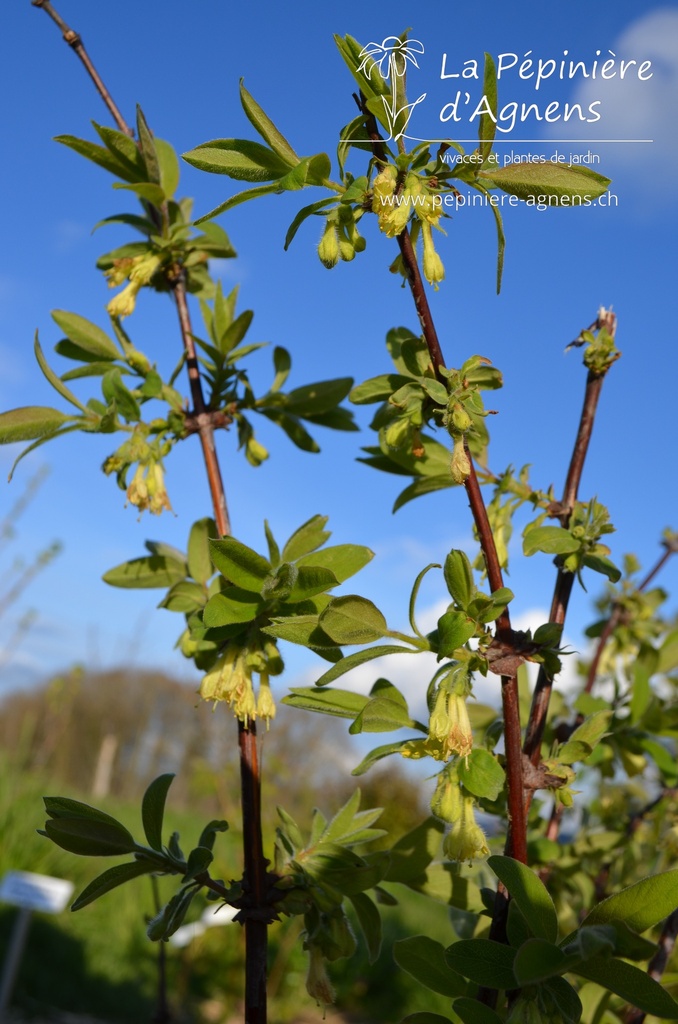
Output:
(390, 58)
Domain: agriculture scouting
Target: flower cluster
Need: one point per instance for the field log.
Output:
(393, 209)
(230, 680)
(138, 271)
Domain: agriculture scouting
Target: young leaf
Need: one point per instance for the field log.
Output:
(85, 334)
(537, 960)
(482, 774)
(199, 561)
(344, 560)
(553, 540)
(381, 714)
(424, 959)
(266, 128)
(563, 181)
(459, 578)
(29, 422)
(530, 894)
(55, 381)
(146, 572)
(359, 658)
(239, 159)
(310, 536)
(110, 879)
(353, 620)
(153, 809)
(240, 564)
(340, 703)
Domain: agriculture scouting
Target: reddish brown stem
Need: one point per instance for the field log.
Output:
(206, 431)
(564, 581)
(256, 933)
(76, 44)
(657, 964)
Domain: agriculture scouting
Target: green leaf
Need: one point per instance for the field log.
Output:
(553, 540)
(90, 838)
(344, 560)
(146, 572)
(382, 714)
(64, 807)
(454, 629)
(640, 906)
(487, 126)
(101, 156)
(483, 961)
(377, 755)
(323, 396)
(530, 894)
(369, 920)
(239, 159)
(266, 128)
(166, 922)
(353, 620)
(423, 485)
(340, 703)
(241, 197)
(153, 809)
(208, 834)
(110, 879)
(55, 381)
(146, 190)
(603, 565)
(537, 960)
(310, 536)
(198, 861)
(377, 389)
(310, 581)
(185, 596)
(482, 774)
(168, 166)
(459, 578)
(240, 564)
(199, 561)
(566, 1000)
(472, 1012)
(359, 658)
(147, 147)
(297, 434)
(86, 335)
(306, 211)
(30, 421)
(632, 984)
(592, 729)
(304, 630)
(424, 959)
(231, 606)
(528, 181)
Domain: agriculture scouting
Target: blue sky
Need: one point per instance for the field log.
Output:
(561, 265)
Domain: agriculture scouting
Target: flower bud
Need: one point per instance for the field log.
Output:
(465, 840)
(255, 453)
(459, 417)
(122, 304)
(328, 249)
(434, 271)
(446, 802)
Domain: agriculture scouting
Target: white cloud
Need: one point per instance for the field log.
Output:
(635, 109)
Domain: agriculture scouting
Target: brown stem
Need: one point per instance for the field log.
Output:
(206, 430)
(76, 44)
(564, 581)
(517, 839)
(256, 932)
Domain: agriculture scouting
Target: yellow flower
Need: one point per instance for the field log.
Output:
(318, 984)
(465, 840)
(450, 725)
(446, 803)
(123, 303)
(265, 702)
(137, 492)
(434, 271)
(157, 494)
